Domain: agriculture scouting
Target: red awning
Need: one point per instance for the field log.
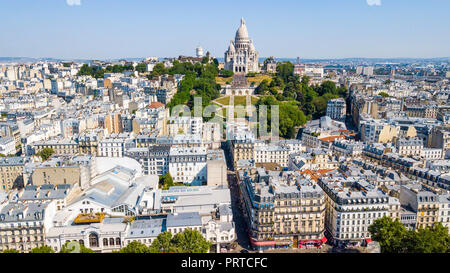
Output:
(368, 240)
(263, 243)
(324, 240)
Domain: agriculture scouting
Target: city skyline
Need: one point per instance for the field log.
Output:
(322, 30)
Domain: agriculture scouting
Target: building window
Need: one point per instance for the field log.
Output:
(93, 240)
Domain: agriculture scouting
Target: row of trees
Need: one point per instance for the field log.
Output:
(66, 248)
(98, 72)
(188, 241)
(393, 237)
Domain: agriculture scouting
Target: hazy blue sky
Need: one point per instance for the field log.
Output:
(281, 28)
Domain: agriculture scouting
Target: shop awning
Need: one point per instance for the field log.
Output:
(368, 240)
(262, 243)
(324, 240)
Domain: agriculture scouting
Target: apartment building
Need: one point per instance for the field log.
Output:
(421, 201)
(60, 146)
(409, 146)
(336, 109)
(282, 211)
(115, 145)
(272, 154)
(352, 205)
(11, 172)
(188, 165)
(23, 226)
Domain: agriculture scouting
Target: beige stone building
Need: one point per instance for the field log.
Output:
(242, 150)
(61, 147)
(282, 211)
(23, 226)
(11, 172)
(423, 202)
(216, 168)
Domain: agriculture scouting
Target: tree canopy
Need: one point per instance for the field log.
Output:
(290, 115)
(46, 153)
(393, 237)
(135, 247)
(188, 241)
(285, 86)
(42, 249)
(66, 248)
(166, 181)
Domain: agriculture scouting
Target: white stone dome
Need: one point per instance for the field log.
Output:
(242, 32)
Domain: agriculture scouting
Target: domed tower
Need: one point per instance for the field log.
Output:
(199, 52)
(241, 56)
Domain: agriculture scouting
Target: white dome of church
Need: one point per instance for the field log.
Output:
(242, 32)
(241, 56)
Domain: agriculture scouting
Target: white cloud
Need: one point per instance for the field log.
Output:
(374, 2)
(73, 2)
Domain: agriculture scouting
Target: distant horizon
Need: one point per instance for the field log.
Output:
(220, 58)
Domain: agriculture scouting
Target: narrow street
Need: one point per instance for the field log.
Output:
(238, 217)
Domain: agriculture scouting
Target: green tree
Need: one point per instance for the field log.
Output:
(71, 249)
(327, 87)
(263, 88)
(166, 181)
(285, 70)
(388, 233)
(384, 94)
(433, 239)
(226, 73)
(394, 238)
(11, 251)
(46, 153)
(42, 249)
(141, 68)
(159, 69)
(191, 241)
(135, 247)
(163, 243)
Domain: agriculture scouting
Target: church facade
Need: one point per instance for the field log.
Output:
(241, 56)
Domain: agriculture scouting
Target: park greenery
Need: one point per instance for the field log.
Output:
(298, 100)
(188, 241)
(226, 73)
(290, 115)
(393, 237)
(199, 81)
(312, 99)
